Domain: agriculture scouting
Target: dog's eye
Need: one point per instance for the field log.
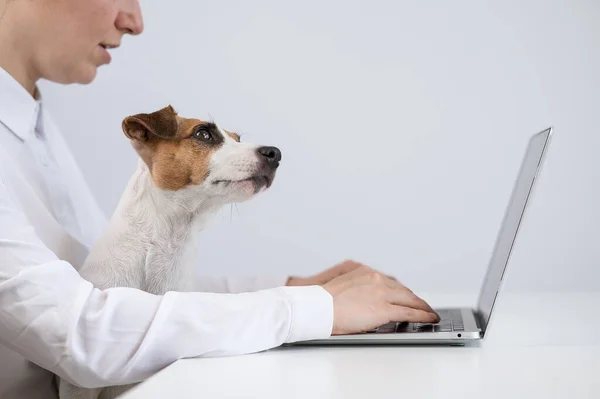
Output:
(203, 134)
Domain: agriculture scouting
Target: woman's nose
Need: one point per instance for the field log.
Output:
(129, 20)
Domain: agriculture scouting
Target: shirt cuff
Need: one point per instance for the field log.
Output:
(312, 313)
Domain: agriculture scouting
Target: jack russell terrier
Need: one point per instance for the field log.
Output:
(188, 169)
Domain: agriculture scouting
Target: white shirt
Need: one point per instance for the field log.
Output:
(55, 319)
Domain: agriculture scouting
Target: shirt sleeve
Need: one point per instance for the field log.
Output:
(92, 338)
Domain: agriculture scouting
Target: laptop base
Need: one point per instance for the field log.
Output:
(413, 334)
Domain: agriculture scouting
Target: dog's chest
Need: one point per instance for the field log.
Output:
(156, 260)
(164, 272)
(169, 264)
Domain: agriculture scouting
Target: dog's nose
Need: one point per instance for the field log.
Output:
(271, 155)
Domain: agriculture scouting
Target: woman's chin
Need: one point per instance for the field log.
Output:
(87, 74)
(83, 74)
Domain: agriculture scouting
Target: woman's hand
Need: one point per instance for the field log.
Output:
(322, 278)
(364, 298)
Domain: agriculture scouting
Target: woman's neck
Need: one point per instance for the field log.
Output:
(12, 56)
(19, 74)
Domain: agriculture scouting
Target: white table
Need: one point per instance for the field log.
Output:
(539, 346)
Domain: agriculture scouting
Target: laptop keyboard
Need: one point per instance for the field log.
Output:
(450, 320)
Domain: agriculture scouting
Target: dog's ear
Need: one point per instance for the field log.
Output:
(141, 127)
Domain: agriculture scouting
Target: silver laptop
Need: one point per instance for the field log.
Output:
(460, 326)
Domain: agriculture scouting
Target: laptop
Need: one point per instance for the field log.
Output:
(461, 326)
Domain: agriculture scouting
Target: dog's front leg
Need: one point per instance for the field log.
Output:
(67, 390)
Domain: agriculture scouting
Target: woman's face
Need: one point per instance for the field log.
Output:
(68, 39)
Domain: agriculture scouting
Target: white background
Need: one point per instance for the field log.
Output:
(402, 126)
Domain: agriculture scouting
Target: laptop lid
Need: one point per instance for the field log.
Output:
(515, 210)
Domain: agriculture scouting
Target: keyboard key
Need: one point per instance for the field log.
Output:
(423, 328)
(387, 328)
(403, 327)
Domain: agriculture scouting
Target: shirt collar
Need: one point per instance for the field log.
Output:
(18, 109)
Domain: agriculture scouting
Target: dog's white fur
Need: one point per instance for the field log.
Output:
(149, 243)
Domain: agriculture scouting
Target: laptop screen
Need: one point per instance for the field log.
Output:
(512, 219)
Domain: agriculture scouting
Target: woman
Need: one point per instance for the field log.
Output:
(53, 321)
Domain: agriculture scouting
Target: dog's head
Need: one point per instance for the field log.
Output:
(184, 153)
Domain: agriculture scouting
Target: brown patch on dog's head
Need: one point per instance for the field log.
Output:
(177, 150)
(233, 135)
